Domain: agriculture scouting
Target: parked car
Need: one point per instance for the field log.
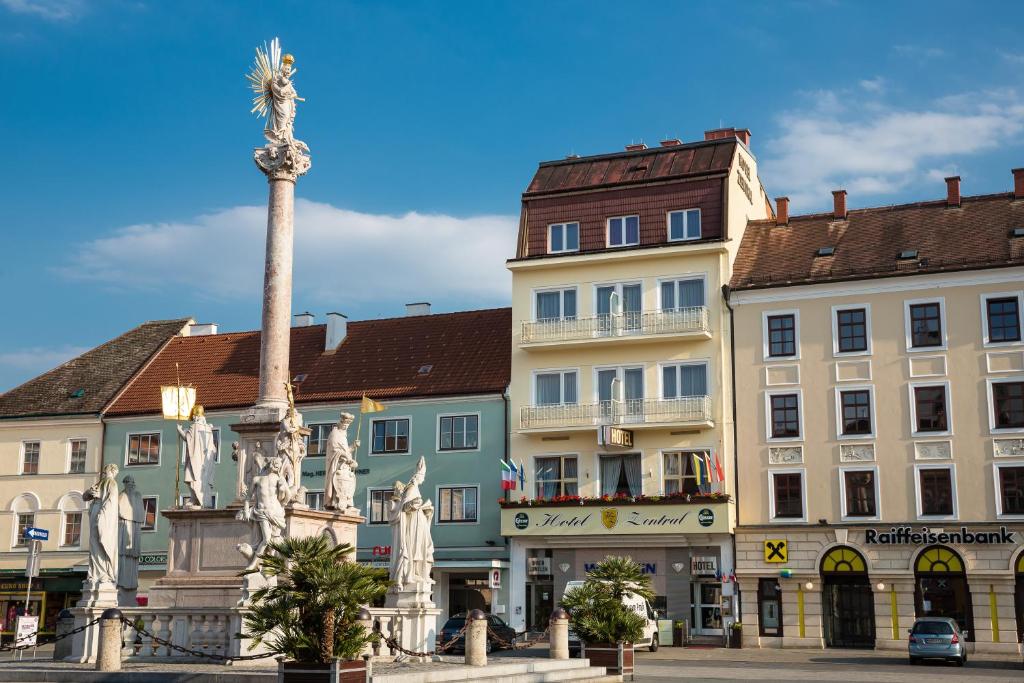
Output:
(650, 639)
(499, 633)
(937, 638)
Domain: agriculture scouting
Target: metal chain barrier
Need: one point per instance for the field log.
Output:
(44, 640)
(192, 653)
(443, 647)
(514, 644)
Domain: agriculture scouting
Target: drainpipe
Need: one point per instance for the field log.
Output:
(726, 292)
(505, 402)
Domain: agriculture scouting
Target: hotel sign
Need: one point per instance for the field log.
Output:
(905, 535)
(541, 520)
(615, 436)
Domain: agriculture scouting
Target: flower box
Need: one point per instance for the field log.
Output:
(580, 501)
(354, 671)
(617, 659)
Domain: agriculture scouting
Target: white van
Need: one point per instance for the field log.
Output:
(635, 603)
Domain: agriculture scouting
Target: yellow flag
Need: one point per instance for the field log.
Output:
(370, 406)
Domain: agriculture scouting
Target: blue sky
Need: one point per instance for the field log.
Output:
(129, 192)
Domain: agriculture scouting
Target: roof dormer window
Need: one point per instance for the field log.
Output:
(624, 231)
(907, 255)
(563, 237)
(826, 251)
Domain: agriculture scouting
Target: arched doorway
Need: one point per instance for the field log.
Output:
(848, 606)
(940, 587)
(1019, 597)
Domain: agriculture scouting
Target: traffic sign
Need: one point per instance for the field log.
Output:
(37, 534)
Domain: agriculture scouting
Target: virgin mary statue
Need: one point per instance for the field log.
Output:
(412, 548)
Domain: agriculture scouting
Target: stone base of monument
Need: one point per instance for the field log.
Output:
(204, 560)
(415, 620)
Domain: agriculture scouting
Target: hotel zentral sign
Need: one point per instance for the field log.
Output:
(543, 520)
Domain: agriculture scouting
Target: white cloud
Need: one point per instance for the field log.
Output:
(342, 257)
(873, 85)
(1012, 57)
(32, 361)
(50, 10)
(871, 147)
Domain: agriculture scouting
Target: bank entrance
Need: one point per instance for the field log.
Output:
(940, 587)
(848, 606)
(1019, 597)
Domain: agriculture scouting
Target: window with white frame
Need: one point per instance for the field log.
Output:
(555, 387)
(682, 293)
(1006, 404)
(926, 325)
(390, 436)
(458, 504)
(684, 379)
(317, 440)
(143, 449)
(30, 457)
(1010, 488)
(783, 409)
(26, 520)
(556, 304)
(851, 330)
(78, 450)
(781, 335)
(929, 405)
(563, 237)
(623, 231)
(151, 505)
(855, 411)
(859, 492)
(216, 443)
(619, 299)
(377, 505)
(629, 391)
(936, 491)
(459, 432)
(681, 472)
(72, 529)
(787, 495)
(1001, 318)
(556, 475)
(315, 500)
(684, 225)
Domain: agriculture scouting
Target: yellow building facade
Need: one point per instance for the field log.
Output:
(881, 431)
(621, 409)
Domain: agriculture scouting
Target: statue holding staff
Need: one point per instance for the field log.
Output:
(103, 527)
(200, 458)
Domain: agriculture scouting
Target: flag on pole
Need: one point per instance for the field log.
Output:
(696, 468)
(718, 468)
(522, 475)
(515, 474)
(370, 406)
(707, 467)
(507, 479)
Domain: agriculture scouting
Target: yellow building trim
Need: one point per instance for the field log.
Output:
(843, 560)
(993, 609)
(894, 611)
(800, 611)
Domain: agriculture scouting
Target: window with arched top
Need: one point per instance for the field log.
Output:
(72, 516)
(25, 508)
(843, 560)
(1020, 563)
(939, 560)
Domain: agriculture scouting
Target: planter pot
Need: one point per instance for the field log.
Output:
(354, 671)
(615, 658)
(735, 638)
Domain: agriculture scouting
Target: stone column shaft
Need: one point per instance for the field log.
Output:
(277, 294)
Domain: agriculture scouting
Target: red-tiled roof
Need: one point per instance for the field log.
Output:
(972, 236)
(626, 168)
(468, 353)
(86, 384)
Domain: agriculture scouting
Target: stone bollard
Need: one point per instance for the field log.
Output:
(109, 657)
(65, 623)
(476, 638)
(366, 621)
(558, 634)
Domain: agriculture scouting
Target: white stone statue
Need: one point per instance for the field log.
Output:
(290, 446)
(249, 465)
(340, 484)
(412, 548)
(265, 509)
(275, 98)
(132, 515)
(103, 530)
(200, 458)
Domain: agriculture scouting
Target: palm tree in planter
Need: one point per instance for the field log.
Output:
(600, 616)
(311, 615)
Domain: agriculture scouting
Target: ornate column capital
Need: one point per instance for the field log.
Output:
(285, 160)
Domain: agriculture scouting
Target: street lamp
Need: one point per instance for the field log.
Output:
(177, 402)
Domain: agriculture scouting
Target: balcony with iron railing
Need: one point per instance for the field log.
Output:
(631, 326)
(686, 411)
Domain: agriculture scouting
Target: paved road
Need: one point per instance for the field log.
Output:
(853, 666)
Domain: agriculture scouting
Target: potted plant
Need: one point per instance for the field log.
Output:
(600, 616)
(310, 615)
(736, 635)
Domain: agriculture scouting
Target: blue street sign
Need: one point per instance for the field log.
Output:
(37, 534)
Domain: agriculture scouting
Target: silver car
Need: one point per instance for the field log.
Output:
(937, 638)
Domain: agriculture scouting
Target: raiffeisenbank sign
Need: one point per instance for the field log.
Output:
(540, 520)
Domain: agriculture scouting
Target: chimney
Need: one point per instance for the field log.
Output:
(782, 211)
(671, 142)
(1018, 183)
(421, 308)
(741, 134)
(302, 319)
(337, 328)
(202, 329)
(636, 147)
(839, 205)
(953, 191)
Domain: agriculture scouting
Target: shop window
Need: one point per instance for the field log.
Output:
(621, 475)
(556, 476)
(391, 436)
(316, 443)
(847, 600)
(769, 607)
(378, 500)
(941, 589)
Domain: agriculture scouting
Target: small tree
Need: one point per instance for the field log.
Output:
(596, 608)
(311, 614)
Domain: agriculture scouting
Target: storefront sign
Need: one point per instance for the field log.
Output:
(538, 566)
(494, 578)
(645, 567)
(905, 535)
(706, 565)
(776, 550)
(152, 559)
(618, 519)
(615, 436)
